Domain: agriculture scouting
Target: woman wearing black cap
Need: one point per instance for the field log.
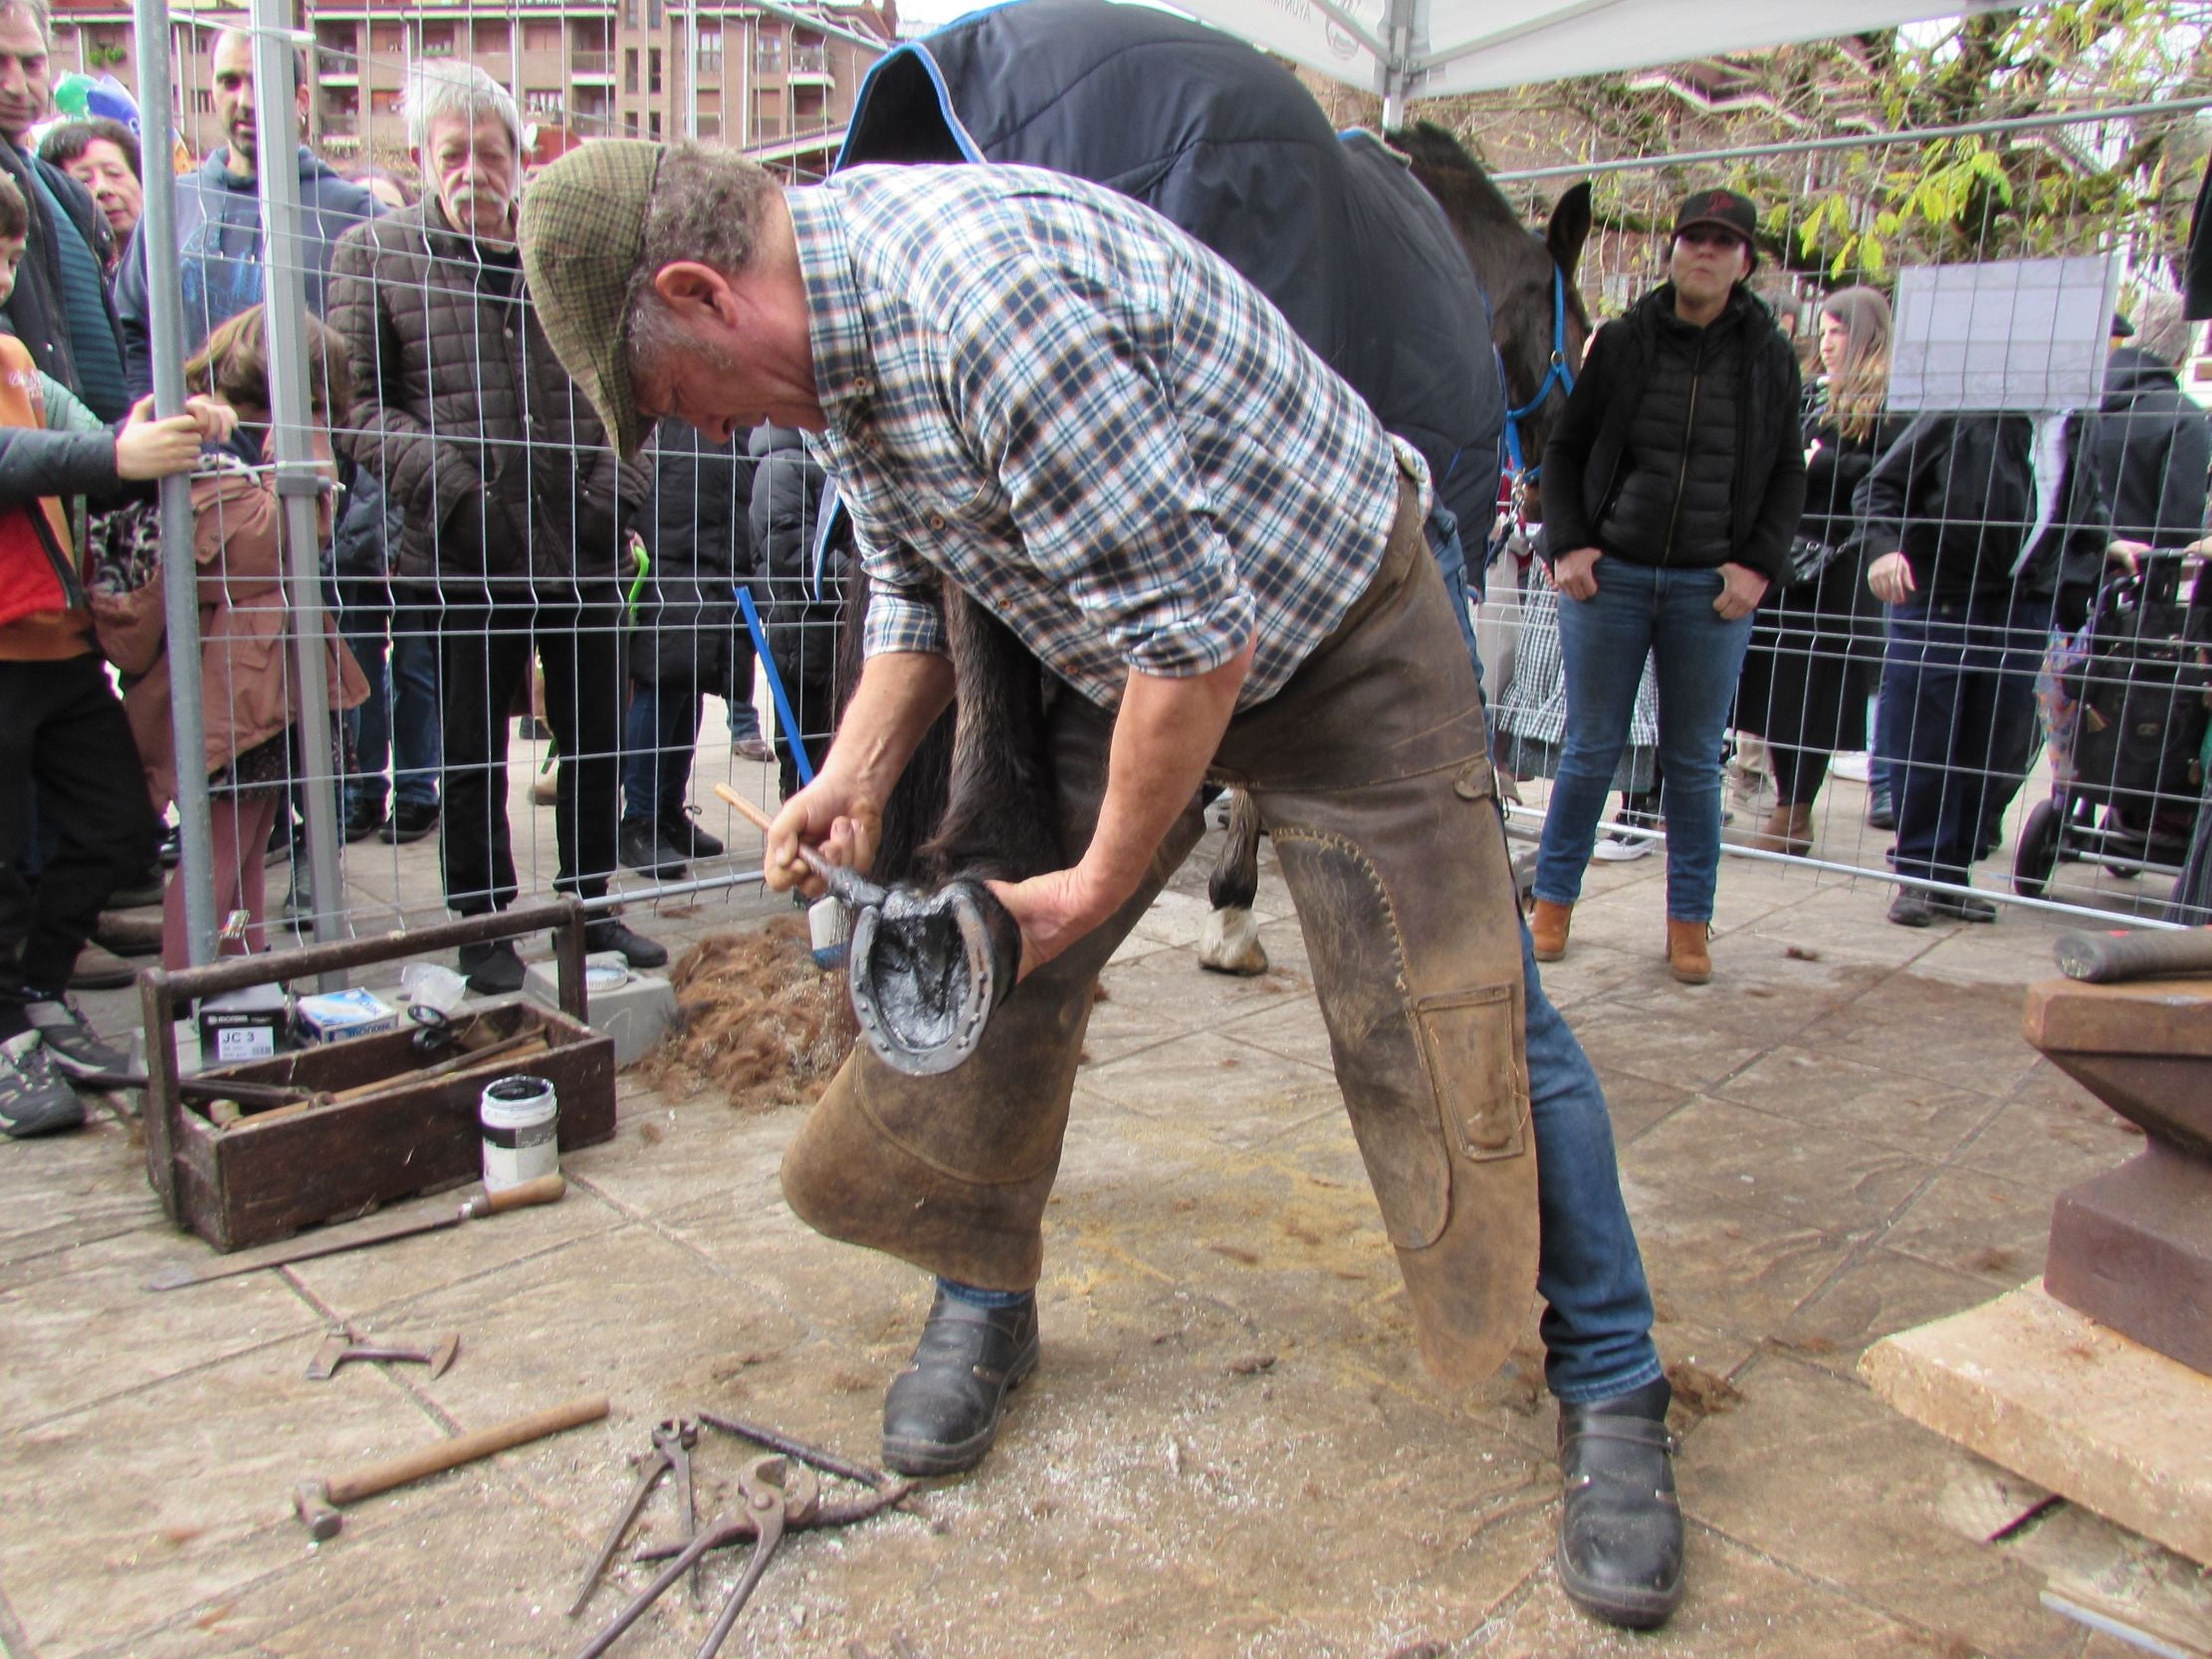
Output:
(1671, 487)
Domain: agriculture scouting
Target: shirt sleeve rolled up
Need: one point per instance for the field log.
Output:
(904, 611)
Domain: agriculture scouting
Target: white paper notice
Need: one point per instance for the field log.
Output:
(2029, 335)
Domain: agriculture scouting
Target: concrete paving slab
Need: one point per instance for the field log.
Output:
(101, 1334)
(1876, 1293)
(115, 1516)
(1812, 1087)
(1976, 1223)
(1740, 1605)
(2030, 1384)
(1807, 1175)
(1805, 1429)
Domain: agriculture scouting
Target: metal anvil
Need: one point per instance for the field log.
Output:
(2132, 1248)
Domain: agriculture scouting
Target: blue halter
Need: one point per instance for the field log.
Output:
(1558, 374)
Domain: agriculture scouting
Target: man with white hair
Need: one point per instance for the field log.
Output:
(513, 504)
(219, 240)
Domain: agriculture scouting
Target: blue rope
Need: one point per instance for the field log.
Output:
(1558, 374)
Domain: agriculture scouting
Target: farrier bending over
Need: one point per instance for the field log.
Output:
(1043, 392)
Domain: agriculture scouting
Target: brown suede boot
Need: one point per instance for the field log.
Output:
(1686, 950)
(1789, 829)
(1547, 927)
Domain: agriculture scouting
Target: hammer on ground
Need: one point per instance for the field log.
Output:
(319, 1501)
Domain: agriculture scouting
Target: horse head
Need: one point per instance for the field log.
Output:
(1523, 274)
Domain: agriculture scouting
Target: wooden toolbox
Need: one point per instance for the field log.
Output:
(272, 1169)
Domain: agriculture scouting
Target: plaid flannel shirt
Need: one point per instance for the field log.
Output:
(1088, 422)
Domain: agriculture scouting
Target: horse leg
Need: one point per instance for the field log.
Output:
(1228, 943)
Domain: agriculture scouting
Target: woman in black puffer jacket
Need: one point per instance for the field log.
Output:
(1672, 486)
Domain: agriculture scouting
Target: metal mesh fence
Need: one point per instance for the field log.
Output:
(2027, 720)
(552, 658)
(533, 663)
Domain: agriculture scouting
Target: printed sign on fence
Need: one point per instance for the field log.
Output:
(2028, 334)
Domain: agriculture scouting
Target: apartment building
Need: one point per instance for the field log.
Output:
(776, 81)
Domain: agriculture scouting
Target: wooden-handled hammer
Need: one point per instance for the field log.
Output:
(319, 1501)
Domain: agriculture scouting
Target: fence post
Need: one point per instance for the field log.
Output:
(180, 576)
(299, 480)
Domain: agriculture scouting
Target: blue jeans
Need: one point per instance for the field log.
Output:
(1667, 614)
(1462, 585)
(1597, 1323)
(658, 738)
(400, 724)
(1960, 678)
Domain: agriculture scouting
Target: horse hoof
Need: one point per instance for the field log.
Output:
(1230, 943)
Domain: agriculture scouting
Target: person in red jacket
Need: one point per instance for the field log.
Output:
(61, 725)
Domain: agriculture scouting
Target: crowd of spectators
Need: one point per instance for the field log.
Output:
(484, 552)
(1773, 560)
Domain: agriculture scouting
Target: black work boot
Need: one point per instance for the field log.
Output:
(942, 1412)
(1619, 1529)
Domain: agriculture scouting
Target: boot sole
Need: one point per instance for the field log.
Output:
(906, 1456)
(1629, 1609)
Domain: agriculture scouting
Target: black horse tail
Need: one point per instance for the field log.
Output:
(1234, 883)
(978, 799)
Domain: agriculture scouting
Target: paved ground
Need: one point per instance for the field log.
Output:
(1231, 1447)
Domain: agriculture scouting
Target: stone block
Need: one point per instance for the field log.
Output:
(2032, 1384)
(635, 1009)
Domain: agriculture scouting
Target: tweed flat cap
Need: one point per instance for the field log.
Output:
(582, 236)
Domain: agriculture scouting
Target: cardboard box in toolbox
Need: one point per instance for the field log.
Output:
(334, 1017)
(250, 1024)
(277, 1171)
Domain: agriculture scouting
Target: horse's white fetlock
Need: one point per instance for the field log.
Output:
(1228, 943)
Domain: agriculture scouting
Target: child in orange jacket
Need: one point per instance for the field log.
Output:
(61, 728)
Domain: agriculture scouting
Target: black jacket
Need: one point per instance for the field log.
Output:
(1836, 469)
(1956, 493)
(786, 499)
(1617, 480)
(2153, 451)
(36, 314)
(695, 535)
(1224, 142)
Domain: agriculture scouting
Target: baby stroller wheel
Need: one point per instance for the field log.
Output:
(2037, 855)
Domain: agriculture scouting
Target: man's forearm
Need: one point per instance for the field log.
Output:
(899, 697)
(1164, 736)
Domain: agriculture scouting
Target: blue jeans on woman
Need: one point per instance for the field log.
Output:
(1667, 614)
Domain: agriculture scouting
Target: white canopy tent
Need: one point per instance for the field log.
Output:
(1406, 49)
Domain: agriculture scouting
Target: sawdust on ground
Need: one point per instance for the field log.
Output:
(757, 1019)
